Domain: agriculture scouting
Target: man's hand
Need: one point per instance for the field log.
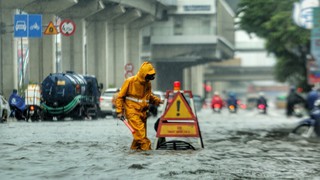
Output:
(120, 116)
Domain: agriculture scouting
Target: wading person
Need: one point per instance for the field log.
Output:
(133, 102)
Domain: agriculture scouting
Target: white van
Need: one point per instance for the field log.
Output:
(4, 109)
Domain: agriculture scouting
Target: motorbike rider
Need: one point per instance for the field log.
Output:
(312, 96)
(293, 99)
(16, 102)
(216, 99)
(232, 100)
(133, 102)
(262, 100)
(315, 114)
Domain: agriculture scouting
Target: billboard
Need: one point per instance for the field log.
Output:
(303, 13)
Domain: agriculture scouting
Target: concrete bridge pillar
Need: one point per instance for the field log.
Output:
(121, 33)
(73, 49)
(96, 58)
(197, 80)
(42, 54)
(100, 44)
(187, 76)
(8, 53)
(111, 80)
(134, 40)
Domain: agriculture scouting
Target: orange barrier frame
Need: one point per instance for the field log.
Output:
(179, 118)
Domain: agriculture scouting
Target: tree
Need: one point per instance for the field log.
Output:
(272, 20)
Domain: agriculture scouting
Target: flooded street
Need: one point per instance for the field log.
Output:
(242, 145)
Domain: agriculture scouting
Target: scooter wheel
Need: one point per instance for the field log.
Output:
(301, 130)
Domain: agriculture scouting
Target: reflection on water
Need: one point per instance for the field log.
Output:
(235, 148)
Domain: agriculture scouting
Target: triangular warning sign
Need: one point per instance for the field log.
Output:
(178, 109)
(51, 29)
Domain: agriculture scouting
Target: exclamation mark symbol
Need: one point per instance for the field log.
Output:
(178, 108)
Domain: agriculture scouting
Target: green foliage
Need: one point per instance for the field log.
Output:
(272, 20)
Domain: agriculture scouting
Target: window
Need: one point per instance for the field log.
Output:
(146, 40)
(178, 26)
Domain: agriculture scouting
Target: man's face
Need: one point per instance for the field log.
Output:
(150, 77)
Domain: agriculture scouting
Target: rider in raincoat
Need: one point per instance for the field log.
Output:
(133, 102)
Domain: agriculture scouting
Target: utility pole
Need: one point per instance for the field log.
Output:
(2, 32)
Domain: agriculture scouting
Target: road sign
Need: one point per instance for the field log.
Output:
(51, 29)
(27, 25)
(178, 109)
(67, 27)
(129, 70)
(128, 74)
(35, 25)
(20, 25)
(128, 67)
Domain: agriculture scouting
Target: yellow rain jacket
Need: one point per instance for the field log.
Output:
(133, 101)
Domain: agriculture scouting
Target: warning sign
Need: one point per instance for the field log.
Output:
(178, 109)
(178, 119)
(51, 29)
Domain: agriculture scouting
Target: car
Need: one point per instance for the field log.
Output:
(198, 102)
(4, 109)
(106, 105)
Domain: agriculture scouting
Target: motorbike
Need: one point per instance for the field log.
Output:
(32, 100)
(232, 108)
(18, 108)
(217, 108)
(262, 108)
(306, 127)
(33, 112)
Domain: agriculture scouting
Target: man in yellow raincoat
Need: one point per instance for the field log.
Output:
(133, 102)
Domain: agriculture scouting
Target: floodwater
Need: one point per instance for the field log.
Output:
(245, 145)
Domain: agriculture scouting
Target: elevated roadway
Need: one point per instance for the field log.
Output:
(107, 37)
(237, 73)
